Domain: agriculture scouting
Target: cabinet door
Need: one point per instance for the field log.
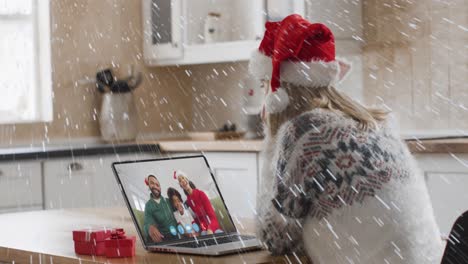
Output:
(236, 175)
(68, 183)
(20, 186)
(447, 182)
(162, 26)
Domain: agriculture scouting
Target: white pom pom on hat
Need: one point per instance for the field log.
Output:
(276, 102)
(298, 52)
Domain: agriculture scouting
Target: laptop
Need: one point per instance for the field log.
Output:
(176, 206)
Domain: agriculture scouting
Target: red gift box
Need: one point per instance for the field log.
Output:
(119, 245)
(91, 241)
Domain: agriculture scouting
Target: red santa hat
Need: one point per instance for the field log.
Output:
(296, 51)
(178, 173)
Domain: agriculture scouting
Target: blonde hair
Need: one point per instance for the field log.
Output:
(303, 99)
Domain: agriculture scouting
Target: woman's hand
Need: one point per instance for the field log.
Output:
(154, 233)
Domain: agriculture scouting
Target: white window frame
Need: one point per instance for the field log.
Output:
(43, 111)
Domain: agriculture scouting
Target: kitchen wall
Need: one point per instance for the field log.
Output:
(416, 61)
(89, 35)
(219, 94)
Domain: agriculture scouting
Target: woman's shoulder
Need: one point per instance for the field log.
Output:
(319, 119)
(328, 127)
(313, 121)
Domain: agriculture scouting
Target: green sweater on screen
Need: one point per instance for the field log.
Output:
(160, 215)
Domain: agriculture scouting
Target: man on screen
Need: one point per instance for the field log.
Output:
(159, 219)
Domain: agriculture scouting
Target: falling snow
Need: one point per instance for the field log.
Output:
(409, 57)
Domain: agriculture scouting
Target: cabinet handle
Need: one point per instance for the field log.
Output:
(75, 166)
(175, 44)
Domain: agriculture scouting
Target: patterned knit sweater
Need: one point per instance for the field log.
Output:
(344, 195)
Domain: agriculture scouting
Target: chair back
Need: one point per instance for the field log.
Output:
(456, 250)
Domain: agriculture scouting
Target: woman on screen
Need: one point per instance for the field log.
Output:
(198, 201)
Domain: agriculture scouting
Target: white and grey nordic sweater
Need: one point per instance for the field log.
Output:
(344, 195)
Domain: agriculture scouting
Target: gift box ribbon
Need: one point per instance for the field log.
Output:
(88, 236)
(118, 233)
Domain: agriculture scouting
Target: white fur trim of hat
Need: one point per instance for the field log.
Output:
(308, 74)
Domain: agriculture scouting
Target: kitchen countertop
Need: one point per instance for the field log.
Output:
(416, 146)
(442, 145)
(156, 147)
(46, 152)
(212, 145)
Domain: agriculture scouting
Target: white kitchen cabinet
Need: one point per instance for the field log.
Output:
(90, 182)
(84, 181)
(162, 29)
(105, 189)
(236, 175)
(20, 186)
(174, 31)
(68, 183)
(447, 181)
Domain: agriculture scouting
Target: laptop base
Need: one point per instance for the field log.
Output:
(214, 250)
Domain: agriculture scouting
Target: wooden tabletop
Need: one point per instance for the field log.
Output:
(46, 237)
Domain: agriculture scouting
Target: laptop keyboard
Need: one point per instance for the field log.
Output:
(214, 241)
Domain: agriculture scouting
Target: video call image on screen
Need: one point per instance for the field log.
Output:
(174, 199)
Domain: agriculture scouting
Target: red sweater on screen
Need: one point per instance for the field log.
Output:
(204, 212)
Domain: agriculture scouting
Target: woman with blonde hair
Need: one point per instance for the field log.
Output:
(338, 183)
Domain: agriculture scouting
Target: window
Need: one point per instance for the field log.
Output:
(25, 65)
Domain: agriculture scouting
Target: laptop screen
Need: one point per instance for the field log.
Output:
(173, 199)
